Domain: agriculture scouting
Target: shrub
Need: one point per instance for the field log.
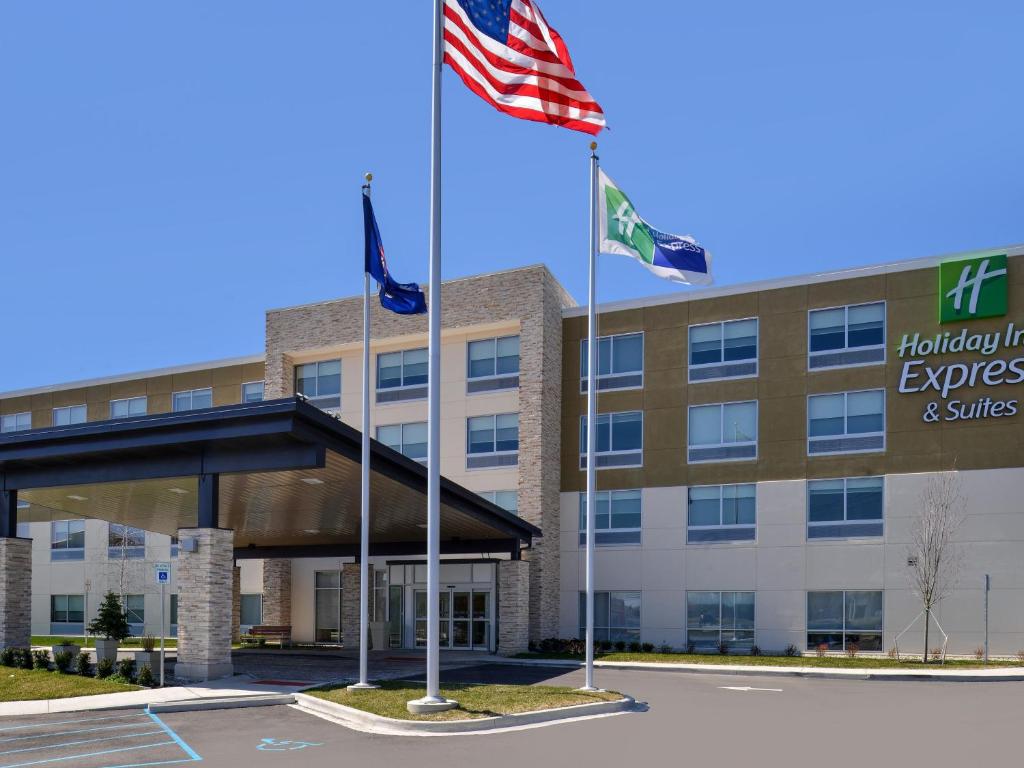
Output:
(24, 658)
(104, 668)
(620, 645)
(723, 648)
(635, 647)
(575, 646)
(664, 648)
(604, 646)
(8, 657)
(82, 665)
(126, 669)
(894, 653)
(822, 649)
(755, 650)
(148, 643)
(979, 652)
(111, 622)
(936, 654)
(40, 659)
(647, 647)
(852, 649)
(791, 651)
(691, 648)
(62, 661)
(145, 678)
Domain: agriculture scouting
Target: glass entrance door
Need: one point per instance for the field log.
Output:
(328, 607)
(465, 618)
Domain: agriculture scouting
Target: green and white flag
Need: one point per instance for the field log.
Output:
(674, 257)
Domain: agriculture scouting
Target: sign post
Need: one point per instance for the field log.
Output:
(988, 587)
(163, 576)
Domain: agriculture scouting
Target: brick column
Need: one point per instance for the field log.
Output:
(236, 604)
(204, 605)
(513, 607)
(350, 604)
(277, 592)
(15, 592)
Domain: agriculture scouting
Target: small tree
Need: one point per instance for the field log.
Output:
(935, 560)
(111, 622)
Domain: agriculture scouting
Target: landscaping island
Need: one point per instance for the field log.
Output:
(37, 684)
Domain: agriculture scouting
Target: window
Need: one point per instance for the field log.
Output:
(69, 414)
(126, 542)
(721, 513)
(252, 392)
(320, 383)
(402, 375)
(846, 422)
(16, 422)
(129, 406)
(192, 400)
(844, 336)
(844, 508)
(174, 546)
(327, 597)
(507, 500)
(620, 362)
(22, 531)
(67, 540)
(492, 441)
(720, 618)
(135, 609)
(616, 616)
(408, 439)
(492, 364)
(378, 607)
(67, 614)
(250, 610)
(616, 518)
(620, 440)
(839, 619)
(722, 432)
(723, 350)
(174, 611)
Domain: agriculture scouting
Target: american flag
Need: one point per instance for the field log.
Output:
(506, 53)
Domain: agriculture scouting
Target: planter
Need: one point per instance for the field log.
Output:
(148, 658)
(68, 648)
(106, 649)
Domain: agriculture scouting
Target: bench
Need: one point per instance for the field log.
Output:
(282, 634)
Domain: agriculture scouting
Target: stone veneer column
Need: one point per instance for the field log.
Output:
(204, 605)
(15, 592)
(350, 604)
(236, 604)
(513, 607)
(277, 592)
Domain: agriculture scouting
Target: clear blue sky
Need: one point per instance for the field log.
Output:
(168, 171)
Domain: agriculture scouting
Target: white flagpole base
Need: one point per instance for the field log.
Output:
(429, 704)
(362, 687)
(590, 689)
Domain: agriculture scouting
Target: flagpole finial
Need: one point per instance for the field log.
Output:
(593, 146)
(368, 176)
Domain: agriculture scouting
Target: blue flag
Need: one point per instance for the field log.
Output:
(400, 298)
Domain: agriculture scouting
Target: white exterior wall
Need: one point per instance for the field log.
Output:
(781, 565)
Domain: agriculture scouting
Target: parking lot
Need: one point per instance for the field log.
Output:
(720, 719)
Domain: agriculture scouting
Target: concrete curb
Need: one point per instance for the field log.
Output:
(365, 721)
(237, 702)
(1013, 674)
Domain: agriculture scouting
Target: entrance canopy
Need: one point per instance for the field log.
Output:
(284, 475)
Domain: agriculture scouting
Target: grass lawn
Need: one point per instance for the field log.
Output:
(131, 642)
(858, 662)
(28, 685)
(475, 701)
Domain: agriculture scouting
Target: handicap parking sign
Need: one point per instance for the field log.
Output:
(163, 573)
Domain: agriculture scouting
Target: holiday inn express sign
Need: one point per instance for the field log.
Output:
(969, 289)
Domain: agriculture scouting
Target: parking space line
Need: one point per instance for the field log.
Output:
(66, 722)
(91, 754)
(77, 743)
(177, 739)
(77, 730)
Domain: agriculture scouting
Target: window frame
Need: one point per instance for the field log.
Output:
(492, 496)
(494, 435)
(127, 551)
(638, 530)
(70, 410)
(17, 417)
(313, 399)
(756, 359)
(582, 618)
(401, 429)
(129, 400)
(721, 431)
(67, 608)
(846, 417)
(720, 628)
(403, 385)
(845, 521)
(613, 375)
(611, 451)
(721, 526)
(70, 553)
(495, 375)
(846, 337)
(263, 391)
(129, 611)
(191, 399)
(807, 630)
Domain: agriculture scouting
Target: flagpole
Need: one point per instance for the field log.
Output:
(433, 701)
(364, 494)
(591, 416)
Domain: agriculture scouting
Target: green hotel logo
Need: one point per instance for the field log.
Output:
(972, 288)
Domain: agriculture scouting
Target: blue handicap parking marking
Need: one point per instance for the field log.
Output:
(128, 740)
(285, 745)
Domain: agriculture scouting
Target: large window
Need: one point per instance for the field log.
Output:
(252, 392)
(620, 440)
(844, 508)
(327, 607)
(67, 614)
(126, 542)
(69, 414)
(507, 500)
(721, 513)
(838, 619)
(16, 422)
(617, 518)
(492, 364)
(843, 336)
(320, 383)
(408, 439)
(722, 432)
(715, 619)
(67, 540)
(492, 441)
(192, 400)
(723, 350)
(250, 611)
(402, 375)
(128, 406)
(620, 362)
(616, 616)
(135, 610)
(846, 422)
